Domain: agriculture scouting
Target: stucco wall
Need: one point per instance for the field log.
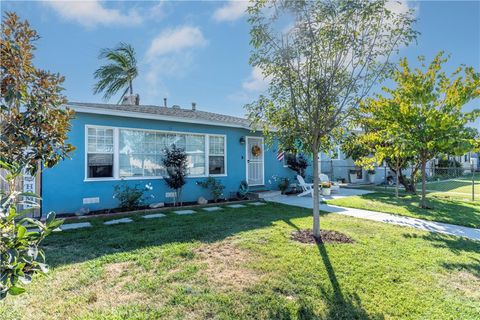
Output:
(64, 186)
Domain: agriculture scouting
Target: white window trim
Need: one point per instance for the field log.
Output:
(87, 152)
(116, 153)
(207, 152)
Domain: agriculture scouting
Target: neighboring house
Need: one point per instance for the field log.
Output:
(467, 160)
(476, 160)
(123, 144)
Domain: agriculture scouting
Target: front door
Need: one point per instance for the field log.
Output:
(254, 152)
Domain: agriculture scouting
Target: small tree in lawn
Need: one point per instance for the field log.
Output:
(382, 139)
(175, 162)
(425, 108)
(33, 130)
(321, 62)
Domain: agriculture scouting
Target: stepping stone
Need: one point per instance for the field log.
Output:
(211, 209)
(72, 226)
(236, 206)
(184, 211)
(257, 203)
(153, 216)
(117, 221)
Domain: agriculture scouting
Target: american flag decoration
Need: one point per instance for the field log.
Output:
(280, 155)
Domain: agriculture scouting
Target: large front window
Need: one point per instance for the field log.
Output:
(139, 153)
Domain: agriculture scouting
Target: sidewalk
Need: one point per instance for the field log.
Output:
(431, 226)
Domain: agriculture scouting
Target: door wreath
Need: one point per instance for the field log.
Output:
(256, 151)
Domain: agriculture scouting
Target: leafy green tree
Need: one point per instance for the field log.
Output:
(175, 162)
(20, 254)
(33, 130)
(119, 73)
(380, 141)
(33, 124)
(322, 58)
(423, 113)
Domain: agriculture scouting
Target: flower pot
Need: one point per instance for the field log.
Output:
(326, 191)
(371, 178)
(353, 177)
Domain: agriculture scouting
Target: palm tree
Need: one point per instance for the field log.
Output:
(119, 73)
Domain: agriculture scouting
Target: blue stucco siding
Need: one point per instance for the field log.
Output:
(64, 186)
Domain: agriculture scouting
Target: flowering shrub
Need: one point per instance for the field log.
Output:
(326, 185)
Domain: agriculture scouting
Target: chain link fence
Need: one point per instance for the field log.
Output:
(458, 183)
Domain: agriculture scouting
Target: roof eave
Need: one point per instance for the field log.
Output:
(151, 116)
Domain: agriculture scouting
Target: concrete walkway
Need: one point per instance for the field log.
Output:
(431, 226)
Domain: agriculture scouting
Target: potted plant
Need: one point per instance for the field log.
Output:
(326, 188)
(371, 176)
(353, 175)
(283, 184)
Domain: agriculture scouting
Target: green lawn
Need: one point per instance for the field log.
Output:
(454, 189)
(449, 211)
(460, 186)
(242, 264)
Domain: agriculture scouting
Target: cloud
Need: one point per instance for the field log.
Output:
(233, 10)
(170, 54)
(398, 7)
(256, 81)
(176, 40)
(92, 13)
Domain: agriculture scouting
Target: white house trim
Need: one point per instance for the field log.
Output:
(151, 116)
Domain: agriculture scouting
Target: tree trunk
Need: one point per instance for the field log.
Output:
(396, 182)
(131, 87)
(424, 178)
(316, 196)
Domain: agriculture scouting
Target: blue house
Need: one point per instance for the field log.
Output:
(123, 145)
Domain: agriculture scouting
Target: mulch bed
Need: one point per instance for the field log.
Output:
(327, 236)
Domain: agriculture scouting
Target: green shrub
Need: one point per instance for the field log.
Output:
(215, 186)
(130, 197)
(283, 184)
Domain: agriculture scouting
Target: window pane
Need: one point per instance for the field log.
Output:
(216, 165)
(100, 165)
(100, 140)
(196, 165)
(217, 145)
(195, 144)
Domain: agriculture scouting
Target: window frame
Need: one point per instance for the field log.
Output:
(113, 177)
(207, 155)
(116, 153)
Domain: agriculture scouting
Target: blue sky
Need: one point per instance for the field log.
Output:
(198, 50)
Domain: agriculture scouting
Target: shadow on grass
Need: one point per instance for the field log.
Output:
(453, 243)
(473, 268)
(341, 306)
(81, 245)
(442, 210)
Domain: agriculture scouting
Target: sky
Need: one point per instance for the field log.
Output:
(198, 51)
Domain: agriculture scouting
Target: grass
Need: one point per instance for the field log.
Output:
(449, 211)
(459, 185)
(242, 264)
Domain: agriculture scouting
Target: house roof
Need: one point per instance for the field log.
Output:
(161, 113)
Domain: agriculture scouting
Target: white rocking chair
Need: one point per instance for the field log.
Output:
(306, 187)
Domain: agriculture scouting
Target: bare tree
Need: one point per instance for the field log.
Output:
(322, 58)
